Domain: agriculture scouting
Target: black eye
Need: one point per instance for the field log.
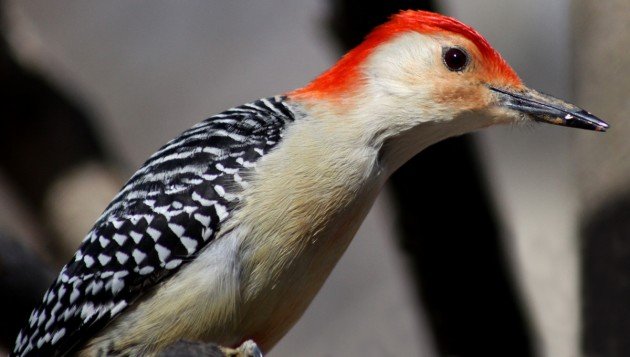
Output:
(455, 59)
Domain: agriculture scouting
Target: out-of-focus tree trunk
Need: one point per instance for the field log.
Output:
(601, 52)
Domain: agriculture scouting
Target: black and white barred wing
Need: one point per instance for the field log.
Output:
(167, 212)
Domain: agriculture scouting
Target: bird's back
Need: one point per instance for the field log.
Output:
(165, 215)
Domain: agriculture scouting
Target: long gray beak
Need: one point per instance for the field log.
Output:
(545, 108)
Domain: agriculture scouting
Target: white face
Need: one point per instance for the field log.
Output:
(412, 98)
(399, 69)
(413, 85)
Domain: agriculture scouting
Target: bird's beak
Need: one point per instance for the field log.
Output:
(545, 108)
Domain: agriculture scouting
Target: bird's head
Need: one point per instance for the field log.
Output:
(425, 69)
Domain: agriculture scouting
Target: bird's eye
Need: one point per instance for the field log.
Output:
(455, 58)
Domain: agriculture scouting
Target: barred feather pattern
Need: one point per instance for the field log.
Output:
(169, 210)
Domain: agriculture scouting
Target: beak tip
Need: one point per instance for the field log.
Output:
(597, 124)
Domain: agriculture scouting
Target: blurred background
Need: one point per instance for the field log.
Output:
(520, 247)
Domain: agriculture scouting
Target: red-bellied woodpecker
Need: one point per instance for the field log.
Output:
(229, 230)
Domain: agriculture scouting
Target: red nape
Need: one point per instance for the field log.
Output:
(345, 73)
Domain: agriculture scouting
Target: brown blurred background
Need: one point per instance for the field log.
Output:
(533, 257)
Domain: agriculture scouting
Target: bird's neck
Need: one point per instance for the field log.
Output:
(394, 132)
(398, 149)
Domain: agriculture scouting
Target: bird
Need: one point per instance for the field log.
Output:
(229, 230)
